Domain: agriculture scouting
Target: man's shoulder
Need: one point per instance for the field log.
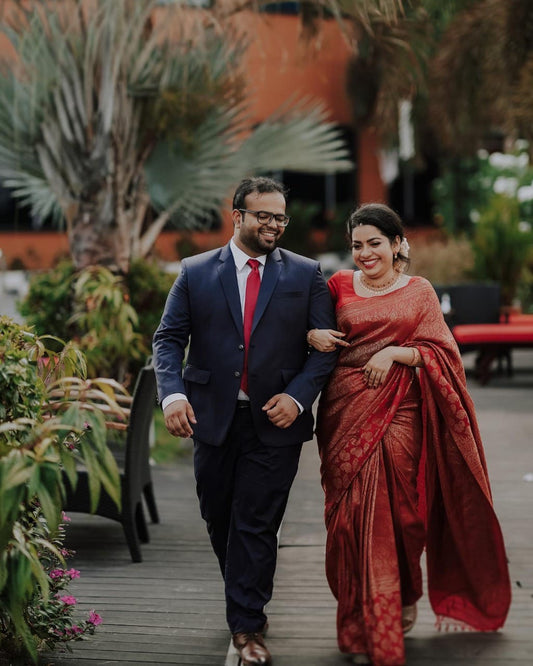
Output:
(202, 259)
(289, 257)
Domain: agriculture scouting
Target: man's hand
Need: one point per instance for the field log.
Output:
(178, 418)
(281, 410)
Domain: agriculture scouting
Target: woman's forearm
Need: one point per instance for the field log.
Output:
(408, 356)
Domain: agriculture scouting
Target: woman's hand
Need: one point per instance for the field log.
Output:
(326, 339)
(377, 367)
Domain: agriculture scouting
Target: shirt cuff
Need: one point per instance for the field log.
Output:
(300, 408)
(173, 397)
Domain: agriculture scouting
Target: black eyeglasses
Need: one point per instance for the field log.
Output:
(264, 217)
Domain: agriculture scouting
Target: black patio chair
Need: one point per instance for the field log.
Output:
(475, 303)
(135, 474)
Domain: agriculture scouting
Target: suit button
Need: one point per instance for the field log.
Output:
(241, 347)
(237, 373)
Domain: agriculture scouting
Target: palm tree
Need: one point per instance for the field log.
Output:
(105, 118)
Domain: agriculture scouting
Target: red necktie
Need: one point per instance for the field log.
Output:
(250, 299)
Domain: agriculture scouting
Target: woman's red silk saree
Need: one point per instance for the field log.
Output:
(374, 445)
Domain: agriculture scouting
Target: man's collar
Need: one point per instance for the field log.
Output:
(241, 257)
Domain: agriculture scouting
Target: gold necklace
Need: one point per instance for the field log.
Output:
(388, 286)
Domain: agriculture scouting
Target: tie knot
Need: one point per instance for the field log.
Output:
(253, 263)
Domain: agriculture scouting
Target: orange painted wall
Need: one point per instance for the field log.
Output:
(36, 250)
(281, 67)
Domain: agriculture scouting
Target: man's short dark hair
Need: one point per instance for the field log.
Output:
(259, 184)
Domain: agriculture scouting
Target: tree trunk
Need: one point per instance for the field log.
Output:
(95, 237)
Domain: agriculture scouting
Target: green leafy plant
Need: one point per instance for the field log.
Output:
(467, 185)
(502, 246)
(50, 619)
(112, 319)
(106, 322)
(48, 305)
(61, 421)
(148, 286)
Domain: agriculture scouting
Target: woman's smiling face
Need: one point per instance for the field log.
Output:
(373, 252)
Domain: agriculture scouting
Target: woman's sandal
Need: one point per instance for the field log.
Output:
(408, 618)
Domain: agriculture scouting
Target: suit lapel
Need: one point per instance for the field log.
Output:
(228, 277)
(270, 278)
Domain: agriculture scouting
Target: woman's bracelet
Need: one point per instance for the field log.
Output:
(308, 334)
(416, 359)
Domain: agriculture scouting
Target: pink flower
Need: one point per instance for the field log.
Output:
(68, 600)
(94, 619)
(73, 573)
(66, 519)
(56, 573)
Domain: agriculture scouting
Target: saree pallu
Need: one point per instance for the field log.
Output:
(374, 446)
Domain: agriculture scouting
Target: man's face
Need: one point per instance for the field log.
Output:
(249, 234)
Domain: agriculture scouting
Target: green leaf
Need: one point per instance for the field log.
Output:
(91, 462)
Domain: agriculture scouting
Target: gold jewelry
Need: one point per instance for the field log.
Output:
(416, 358)
(383, 289)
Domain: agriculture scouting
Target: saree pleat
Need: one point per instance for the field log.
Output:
(372, 443)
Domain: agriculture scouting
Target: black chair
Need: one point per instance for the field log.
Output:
(476, 303)
(135, 476)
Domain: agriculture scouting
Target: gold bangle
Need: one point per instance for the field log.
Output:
(415, 361)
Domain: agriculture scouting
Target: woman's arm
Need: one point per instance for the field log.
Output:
(378, 366)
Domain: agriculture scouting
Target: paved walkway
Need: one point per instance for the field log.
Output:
(169, 609)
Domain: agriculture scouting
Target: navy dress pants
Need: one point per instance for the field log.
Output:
(243, 487)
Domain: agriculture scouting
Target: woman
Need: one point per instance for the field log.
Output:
(380, 422)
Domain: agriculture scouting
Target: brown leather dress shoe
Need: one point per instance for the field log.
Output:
(252, 649)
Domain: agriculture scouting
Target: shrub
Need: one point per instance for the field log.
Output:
(50, 619)
(48, 304)
(502, 246)
(111, 318)
(42, 435)
(106, 323)
(446, 261)
(466, 187)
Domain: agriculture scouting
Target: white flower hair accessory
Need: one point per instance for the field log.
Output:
(404, 247)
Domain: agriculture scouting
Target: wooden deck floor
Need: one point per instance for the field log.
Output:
(169, 609)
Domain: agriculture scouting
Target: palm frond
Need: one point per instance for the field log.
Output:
(196, 183)
(96, 95)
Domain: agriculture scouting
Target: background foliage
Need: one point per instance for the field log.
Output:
(49, 422)
(111, 319)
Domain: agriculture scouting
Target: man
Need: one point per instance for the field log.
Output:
(246, 391)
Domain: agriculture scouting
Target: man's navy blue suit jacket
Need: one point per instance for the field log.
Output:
(203, 311)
